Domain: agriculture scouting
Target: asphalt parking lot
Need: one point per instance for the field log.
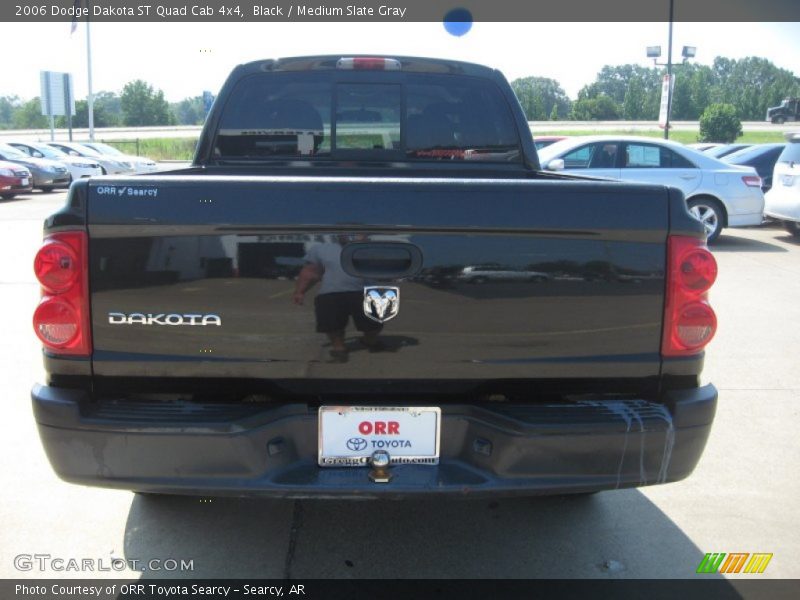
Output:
(743, 497)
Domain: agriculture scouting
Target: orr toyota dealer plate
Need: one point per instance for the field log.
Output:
(349, 435)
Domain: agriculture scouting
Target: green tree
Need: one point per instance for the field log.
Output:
(189, 111)
(601, 108)
(109, 105)
(29, 116)
(700, 84)
(101, 110)
(539, 96)
(614, 81)
(720, 123)
(554, 113)
(682, 106)
(633, 105)
(8, 105)
(141, 105)
(752, 85)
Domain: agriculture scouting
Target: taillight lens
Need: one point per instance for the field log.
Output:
(697, 270)
(752, 181)
(61, 321)
(56, 266)
(56, 322)
(695, 325)
(689, 321)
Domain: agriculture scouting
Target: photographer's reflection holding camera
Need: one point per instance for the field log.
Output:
(340, 297)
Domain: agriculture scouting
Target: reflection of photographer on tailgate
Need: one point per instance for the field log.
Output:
(340, 297)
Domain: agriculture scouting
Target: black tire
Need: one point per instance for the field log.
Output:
(709, 212)
(103, 171)
(6, 196)
(778, 120)
(792, 227)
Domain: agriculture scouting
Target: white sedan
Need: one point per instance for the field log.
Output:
(140, 164)
(718, 194)
(78, 167)
(107, 165)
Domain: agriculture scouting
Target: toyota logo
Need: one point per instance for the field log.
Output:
(356, 444)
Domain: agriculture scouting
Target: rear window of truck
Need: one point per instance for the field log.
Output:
(314, 116)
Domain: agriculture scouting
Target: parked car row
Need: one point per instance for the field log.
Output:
(46, 174)
(52, 165)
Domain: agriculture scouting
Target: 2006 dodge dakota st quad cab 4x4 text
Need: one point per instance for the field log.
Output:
(295, 305)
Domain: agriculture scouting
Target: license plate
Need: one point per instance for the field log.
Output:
(24, 181)
(348, 435)
(787, 180)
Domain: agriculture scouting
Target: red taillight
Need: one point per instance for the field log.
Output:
(56, 266)
(697, 269)
(368, 63)
(689, 321)
(752, 181)
(56, 322)
(61, 321)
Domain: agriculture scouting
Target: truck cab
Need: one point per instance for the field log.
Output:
(789, 110)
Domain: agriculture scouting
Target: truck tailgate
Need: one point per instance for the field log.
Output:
(193, 276)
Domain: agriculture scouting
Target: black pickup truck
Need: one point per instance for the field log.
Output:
(294, 314)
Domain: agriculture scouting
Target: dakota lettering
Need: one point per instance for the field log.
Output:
(171, 320)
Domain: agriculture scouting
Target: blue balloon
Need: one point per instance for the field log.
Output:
(458, 21)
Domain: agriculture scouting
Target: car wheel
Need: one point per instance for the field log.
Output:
(6, 196)
(792, 227)
(779, 120)
(709, 213)
(103, 171)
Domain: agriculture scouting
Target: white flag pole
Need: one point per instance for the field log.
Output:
(89, 97)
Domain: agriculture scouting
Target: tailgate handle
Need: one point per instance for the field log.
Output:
(381, 260)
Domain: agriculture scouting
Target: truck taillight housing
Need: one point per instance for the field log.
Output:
(61, 321)
(689, 321)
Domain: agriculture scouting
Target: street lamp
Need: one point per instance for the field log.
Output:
(654, 52)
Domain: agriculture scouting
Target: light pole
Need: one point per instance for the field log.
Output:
(654, 52)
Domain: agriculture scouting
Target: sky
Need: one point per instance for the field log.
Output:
(183, 59)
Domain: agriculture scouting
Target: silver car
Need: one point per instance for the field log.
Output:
(718, 194)
(108, 165)
(140, 164)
